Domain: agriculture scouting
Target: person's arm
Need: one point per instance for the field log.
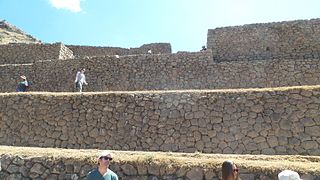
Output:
(26, 83)
(84, 80)
(77, 75)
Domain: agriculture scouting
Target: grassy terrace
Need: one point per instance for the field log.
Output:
(254, 163)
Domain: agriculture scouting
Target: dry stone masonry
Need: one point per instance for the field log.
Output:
(20, 167)
(241, 121)
(244, 122)
(29, 53)
(290, 40)
(156, 48)
(249, 56)
(162, 72)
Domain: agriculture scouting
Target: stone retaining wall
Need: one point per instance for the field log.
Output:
(50, 163)
(156, 48)
(18, 167)
(82, 51)
(10, 75)
(244, 122)
(29, 53)
(291, 40)
(162, 72)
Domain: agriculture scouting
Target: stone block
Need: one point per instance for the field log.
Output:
(195, 174)
(128, 169)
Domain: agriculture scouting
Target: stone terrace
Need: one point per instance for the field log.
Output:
(289, 39)
(161, 72)
(40, 163)
(283, 122)
(29, 53)
(260, 121)
(156, 48)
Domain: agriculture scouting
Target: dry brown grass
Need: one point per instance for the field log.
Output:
(255, 163)
(7, 37)
(190, 91)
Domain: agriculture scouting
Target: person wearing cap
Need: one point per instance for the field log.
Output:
(23, 85)
(230, 171)
(103, 172)
(288, 175)
(80, 80)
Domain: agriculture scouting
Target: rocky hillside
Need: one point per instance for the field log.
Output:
(11, 34)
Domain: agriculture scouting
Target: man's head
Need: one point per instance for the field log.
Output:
(104, 158)
(23, 77)
(83, 70)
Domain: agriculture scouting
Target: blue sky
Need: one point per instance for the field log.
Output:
(131, 23)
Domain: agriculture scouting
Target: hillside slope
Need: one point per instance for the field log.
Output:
(11, 34)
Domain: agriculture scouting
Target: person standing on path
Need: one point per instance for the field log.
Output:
(80, 80)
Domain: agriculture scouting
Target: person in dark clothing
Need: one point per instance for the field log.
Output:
(23, 85)
(203, 48)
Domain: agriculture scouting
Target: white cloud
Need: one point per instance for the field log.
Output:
(71, 5)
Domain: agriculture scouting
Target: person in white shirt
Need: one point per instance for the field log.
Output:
(80, 80)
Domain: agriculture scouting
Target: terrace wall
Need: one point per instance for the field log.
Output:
(161, 72)
(289, 39)
(241, 122)
(35, 167)
(156, 48)
(29, 53)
